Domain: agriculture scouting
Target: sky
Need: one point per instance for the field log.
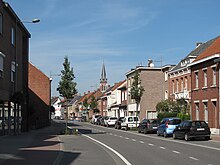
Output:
(119, 33)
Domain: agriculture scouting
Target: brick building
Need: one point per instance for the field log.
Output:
(39, 97)
(205, 86)
(152, 81)
(14, 48)
(180, 75)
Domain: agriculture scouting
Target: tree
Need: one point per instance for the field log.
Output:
(93, 104)
(67, 87)
(136, 91)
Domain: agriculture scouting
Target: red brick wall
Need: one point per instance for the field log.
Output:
(39, 97)
(209, 94)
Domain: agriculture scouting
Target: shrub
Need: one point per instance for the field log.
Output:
(183, 117)
(160, 116)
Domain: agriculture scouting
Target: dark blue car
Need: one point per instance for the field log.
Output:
(167, 125)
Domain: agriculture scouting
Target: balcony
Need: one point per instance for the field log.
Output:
(182, 95)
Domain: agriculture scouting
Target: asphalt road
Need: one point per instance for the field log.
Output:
(101, 145)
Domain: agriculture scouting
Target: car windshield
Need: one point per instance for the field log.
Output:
(152, 121)
(113, 118)
(199, 124)
(174, 122)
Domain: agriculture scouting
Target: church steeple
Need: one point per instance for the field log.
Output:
(103, 79)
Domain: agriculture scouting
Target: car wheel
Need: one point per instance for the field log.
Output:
(207, 138)
(139, 131)
(126, 128)
(186, 137)
(145, 131)
(158, 133)
(165, 134)
(174, 135)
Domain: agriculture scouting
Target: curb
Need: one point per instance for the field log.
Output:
(60, 155)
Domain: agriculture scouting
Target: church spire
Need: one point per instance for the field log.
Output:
(103, 79)
(103, 74)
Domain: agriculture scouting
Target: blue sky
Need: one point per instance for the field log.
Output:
(122, 33)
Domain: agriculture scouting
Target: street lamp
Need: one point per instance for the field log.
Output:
(16, 107)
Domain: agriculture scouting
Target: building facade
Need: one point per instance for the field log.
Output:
(39, 98)
(153, 83)
(14, 48)
(205, 86)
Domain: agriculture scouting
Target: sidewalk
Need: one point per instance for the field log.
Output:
(40, 146)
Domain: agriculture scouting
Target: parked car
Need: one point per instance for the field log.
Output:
(118, 122)
(111, 121)
(167, 125)
(98, 121)
(102, 121)
(192, 129)
(105, 120)
(130, 122)
(148, 125)
(94, 118)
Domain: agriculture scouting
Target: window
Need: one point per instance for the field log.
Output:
(177, 85)
(214, 76)
(186, 82)
(166, 76)
(205, 78)
(13, 36)
(197, 79)
(1, 24)
(173, 89)
(2, 56)
(206, 111)
(181, 84)
(12, 71)
(197, 111)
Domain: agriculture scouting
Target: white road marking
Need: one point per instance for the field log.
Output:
(150, 144)
(116, 135)
(110, 134)
(162, 148)
(134, 140)
(177, 152)
(111, 149)
(121, 136)
(142, 142)
(127, 138)
(193, 158)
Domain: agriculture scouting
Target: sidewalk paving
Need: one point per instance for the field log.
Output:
(40, 146)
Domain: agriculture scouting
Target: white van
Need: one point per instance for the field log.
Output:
(130, 122)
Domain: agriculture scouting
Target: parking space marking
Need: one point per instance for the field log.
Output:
(150, 144)
(142, 142)
(134, 140)
(121, 136)
(193, 158)
(177, 152)
(162, 148)
(127, 138)
(116, 135)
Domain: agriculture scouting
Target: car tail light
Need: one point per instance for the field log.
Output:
(167, 124)
(148, 124)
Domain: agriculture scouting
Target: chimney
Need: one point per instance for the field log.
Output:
(150, 63)
(198, 44)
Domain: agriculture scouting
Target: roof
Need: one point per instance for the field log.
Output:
(213, 49)
(76, 98)
(195, 53)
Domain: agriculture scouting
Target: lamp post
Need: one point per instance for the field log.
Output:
(15, 65)
(51, 79)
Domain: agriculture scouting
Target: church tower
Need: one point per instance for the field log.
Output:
(103, 79)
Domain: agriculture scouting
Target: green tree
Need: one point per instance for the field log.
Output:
(94, 104)
(67, 86)
(85, 103)
(136, 91)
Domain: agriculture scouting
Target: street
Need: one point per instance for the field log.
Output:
(101, 145)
